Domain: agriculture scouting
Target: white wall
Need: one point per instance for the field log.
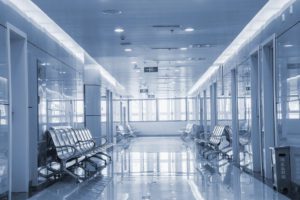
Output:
(163, 128)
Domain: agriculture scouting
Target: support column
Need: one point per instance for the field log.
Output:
(92, 109)
(111, 118)
(234, 125)
(213, 105)
(255, 134)
(205, 112)
(107, 115)
(201, 110)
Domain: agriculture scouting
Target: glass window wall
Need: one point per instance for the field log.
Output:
(288, 87)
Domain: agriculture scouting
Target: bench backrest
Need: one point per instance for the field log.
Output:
(67, 141)
(216, 136)
(129, 129)
(120, 129)
(189, 128)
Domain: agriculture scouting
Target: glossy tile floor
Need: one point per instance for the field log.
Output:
(162, 168)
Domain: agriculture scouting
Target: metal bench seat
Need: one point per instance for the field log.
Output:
(75, 147)
(131, 131)
(213, 145)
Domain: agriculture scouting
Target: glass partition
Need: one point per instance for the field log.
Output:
(244, 113)
(192, 109)
(60, 103)
(224, 111)
(4, 116)
(288, 87)
(103, 112)
(208, 110)
(117, 111)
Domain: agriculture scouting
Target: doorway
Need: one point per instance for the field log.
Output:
(18, 110)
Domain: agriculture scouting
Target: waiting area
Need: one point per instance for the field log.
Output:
(143, 100)
(149, 169)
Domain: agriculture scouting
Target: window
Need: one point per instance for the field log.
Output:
(224, 111)
(149, 110)
(171, 109)
(135, 110)
(116, 110)
(192, 109)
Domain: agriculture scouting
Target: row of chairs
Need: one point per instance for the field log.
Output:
(125, 132)
(191, 131)
(217, 144)
(76, 149)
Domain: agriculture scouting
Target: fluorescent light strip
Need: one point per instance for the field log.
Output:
(269, 12)
(36, 16)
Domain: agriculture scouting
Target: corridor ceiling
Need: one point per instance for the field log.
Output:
(156, 32)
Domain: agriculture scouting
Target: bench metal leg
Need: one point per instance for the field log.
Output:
(104, 154)
(78, 178)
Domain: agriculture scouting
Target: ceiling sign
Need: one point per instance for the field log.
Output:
(143, 90)
(150, 69)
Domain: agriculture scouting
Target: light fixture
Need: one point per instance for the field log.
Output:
(268, 13)
(112, 12)
(119, 30)
(183, 48)
(127, 50)
(288, 45)
(189, 29)
(133, 62)
(42, 21)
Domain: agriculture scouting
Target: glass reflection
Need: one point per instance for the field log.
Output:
(244, 114)
(288, 87)
(4, 116)
(60, 103)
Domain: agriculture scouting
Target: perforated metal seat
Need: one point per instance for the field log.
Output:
(74, 146)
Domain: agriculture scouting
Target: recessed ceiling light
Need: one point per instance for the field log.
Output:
(288, 45)
(189, 29)
(127, 50)
(133, 62)
(183, 48)
(176, 70)
(112, 12)
(119, 30)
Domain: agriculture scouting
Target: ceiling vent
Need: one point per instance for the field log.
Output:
(164, 48)
(195, 46)
(112, 12)
(173, 26)
(125, 43)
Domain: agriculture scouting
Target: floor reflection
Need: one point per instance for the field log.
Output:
(163, 168)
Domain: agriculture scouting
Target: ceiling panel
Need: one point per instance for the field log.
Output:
(154, 30)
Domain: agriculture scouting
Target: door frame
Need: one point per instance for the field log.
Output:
(25, 188)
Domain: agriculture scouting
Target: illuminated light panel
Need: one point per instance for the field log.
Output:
(189, 29)
(271, 10)
(37, 17)
(119, 30)
(128, 50)
(183, 48)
